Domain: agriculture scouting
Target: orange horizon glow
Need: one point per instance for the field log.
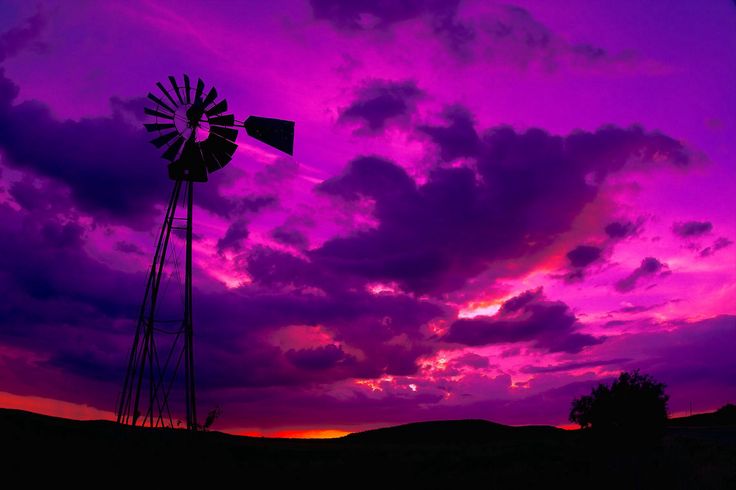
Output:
(76, 411)
(291, 433)
(53, 408)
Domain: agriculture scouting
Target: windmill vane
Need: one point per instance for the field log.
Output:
(197, 137)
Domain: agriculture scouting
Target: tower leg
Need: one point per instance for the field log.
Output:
(151, 406)
(188, 323)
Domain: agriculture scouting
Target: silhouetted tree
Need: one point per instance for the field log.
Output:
(634, 404)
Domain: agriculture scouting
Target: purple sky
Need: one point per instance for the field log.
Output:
(491, 207)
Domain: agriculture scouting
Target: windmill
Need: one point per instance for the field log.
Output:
(197, 137)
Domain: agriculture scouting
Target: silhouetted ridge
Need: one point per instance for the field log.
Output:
(726, 415)
(458, 431)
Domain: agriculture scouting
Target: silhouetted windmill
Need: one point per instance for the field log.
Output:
(199, 138)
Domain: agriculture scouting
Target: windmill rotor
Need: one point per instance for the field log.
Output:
(197, 134)
(194, 131)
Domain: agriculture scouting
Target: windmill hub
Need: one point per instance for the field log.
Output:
(197, 138)
(190, 122)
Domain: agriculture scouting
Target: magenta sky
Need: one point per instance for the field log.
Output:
(491, 207)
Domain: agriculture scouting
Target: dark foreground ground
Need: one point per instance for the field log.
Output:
(451, 454)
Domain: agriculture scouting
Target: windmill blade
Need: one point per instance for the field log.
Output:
(220, 146)
(217, 152)
(173, 150)
(211, 162)
(162, 140)
(159, 114)
(276, 133)
(176, 89)
(166, 93)
(227, 133)
(218, 108)
(186, 88)
(225, 120)
(158, 127)
(160, 102)
(191, 154)
(211, 96)
(199, 90)
(215, 160)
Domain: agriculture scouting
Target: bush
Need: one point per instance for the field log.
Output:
(634, 404)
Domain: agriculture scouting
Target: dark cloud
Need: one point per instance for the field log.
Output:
(580, 258)
(86, 362)
(354, 319)
(622, 229)
(379, 102)
(689, 229)
(318, 357)
(362, 15)
(254, 204)
(583, 255)
(374, 177)
(471, 360)
(63, 235)
(529, 317)
(131, 109)
(353, 315)
(128, 248)
(287, 235)
(20, 37)
(380, 15)
(274, 270)
(108, 166)
(616, 323)
(209, 197)
(649, 267)
(524, 190)
(517, 303)
(511, 35)
(633, 309)
(458, 138)
(31, 197)
(277, 172)
(720, 243)
(235, 234)
(569, 366)
(40, 288)
(288, 290)
(456, 34)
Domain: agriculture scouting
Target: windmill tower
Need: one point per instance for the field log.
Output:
(198, 138)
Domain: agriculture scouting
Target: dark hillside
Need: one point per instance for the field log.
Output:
(724, 416)
(426, 455)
